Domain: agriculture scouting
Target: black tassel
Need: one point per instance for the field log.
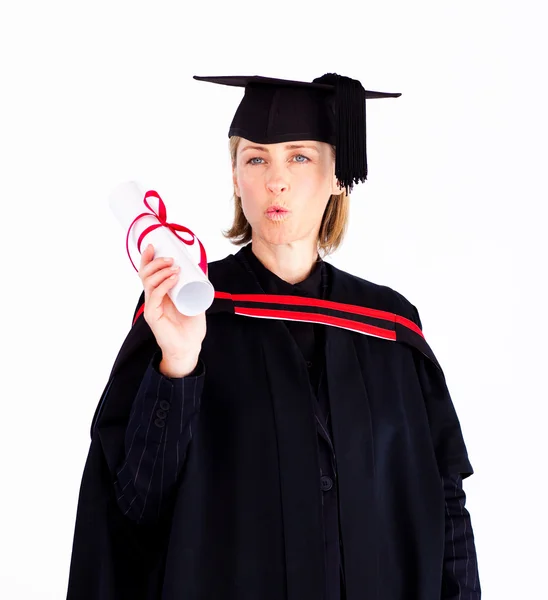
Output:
(351, 152)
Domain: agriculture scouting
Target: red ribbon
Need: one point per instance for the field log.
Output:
(161, 215)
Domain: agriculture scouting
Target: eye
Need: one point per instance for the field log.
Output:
(306, 159)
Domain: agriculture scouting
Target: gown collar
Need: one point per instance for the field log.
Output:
(270, 283)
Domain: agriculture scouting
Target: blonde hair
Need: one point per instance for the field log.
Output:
(332, 229)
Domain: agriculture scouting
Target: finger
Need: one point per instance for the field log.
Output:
(146, 256)
(153, 266)
(153, 281)
(157, 294)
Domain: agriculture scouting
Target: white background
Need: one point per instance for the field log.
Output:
(95, 93)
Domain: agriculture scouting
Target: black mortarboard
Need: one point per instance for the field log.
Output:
(330, 109)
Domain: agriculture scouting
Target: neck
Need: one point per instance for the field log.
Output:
(291, 262)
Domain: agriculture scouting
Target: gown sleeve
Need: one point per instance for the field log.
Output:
(156, 440)
(445, 429)
(460, 580)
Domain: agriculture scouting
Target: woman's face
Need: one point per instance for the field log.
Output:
(297, 177)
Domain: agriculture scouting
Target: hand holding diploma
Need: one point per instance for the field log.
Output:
(145, 225)
(179, 337)
(177, 291)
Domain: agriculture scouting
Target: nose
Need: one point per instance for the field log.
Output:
(276, 187)
(276, 182)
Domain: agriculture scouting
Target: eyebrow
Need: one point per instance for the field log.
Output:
(287, 147)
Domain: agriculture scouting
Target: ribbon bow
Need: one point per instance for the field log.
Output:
(161, 215)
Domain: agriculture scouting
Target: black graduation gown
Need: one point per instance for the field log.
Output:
(309, 337)
(245, 521)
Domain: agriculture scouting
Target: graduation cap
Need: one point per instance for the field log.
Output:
(330, 109)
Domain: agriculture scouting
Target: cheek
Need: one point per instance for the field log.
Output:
(250, 186)
(247, 182)
(250, 206)
(314, 180)
(317, 191)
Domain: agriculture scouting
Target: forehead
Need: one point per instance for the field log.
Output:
(246, 145)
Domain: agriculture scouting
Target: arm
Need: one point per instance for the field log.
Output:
(159, 431)
(460, 579)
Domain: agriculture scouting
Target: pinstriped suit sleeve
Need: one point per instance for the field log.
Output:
(460, 571)
(158, 433)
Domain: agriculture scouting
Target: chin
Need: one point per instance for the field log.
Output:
(276, 234)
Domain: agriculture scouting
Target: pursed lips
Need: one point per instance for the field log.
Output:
(276, 209)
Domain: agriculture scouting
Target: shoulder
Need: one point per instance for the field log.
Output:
(373, 295)
(227, 274)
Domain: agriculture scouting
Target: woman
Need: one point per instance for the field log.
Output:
(299, 442)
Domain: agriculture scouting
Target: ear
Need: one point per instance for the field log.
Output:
(235, 182)
(335, 189)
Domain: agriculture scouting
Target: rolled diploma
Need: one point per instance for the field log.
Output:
(193, 293)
